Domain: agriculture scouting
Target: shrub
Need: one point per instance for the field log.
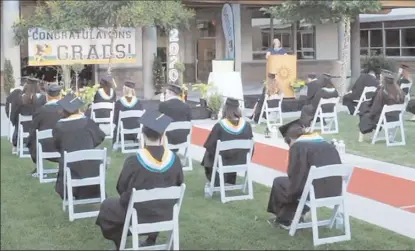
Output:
(158, 74)
(8, 76)
(374, 62)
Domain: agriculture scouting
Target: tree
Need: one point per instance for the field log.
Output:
(316, 12)
(69, 15)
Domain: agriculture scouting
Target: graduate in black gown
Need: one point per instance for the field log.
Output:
(76, 132)
(106, 93)
(306, 150)
(365, 80)
(327, 91)
(232, 126)
(46, 118)
(269, 86)
(404, 77)
(314, 84)
(388, 94)
(411, 108)
(25, 104)
(127, 102)
(175, 108)
(15, 94)
(151, 167)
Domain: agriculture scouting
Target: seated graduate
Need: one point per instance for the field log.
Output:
(15, 93)
(388, 94)
(365, 80)
(76, 132)
(45, 118)
(42, 95)
(327, 91)
(314, 84)
(175, 108)
(306, 150)
(232, 126)
(127, 102)
(404, 77)
(25, 104)
(411, 108)
(105, 93)
(151, 167)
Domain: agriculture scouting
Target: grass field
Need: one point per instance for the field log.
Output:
(32, 218)
(349, 131)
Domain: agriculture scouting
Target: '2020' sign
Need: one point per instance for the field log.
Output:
(173, 55)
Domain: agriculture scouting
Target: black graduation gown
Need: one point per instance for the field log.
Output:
(42, 99)
(140, 172)
(411, 106)
(307, 151)
(178, 111)
(312, 88)
(370, 116)
(129, 123)
(225, 131)
(258, 106)
(101, 96)
(365, 80)
(44, 118)
(24, 109)
(308, 111)
(13, 96)
(403, 80)
(76, 133)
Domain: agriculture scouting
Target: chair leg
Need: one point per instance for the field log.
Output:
(402, 129)
(387, 138)
(222, 185)
(296, 219)
(375, 135)
(314, 223)
(70, 198)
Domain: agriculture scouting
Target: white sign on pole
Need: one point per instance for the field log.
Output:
(229, 84)
(223, 65)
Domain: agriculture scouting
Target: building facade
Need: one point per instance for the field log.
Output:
(318, 47)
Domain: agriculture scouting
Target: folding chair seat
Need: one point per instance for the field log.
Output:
(270, 111)
(368, 90)
(187, 162)
(390, 128)
(22, 150)
(107, 121)
(340, 213)
(329, 117)
(69, 183)
(172, 226)
(221, 170)
(41, 156)
(128, 146)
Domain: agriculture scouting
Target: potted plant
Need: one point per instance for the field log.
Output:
(185, 92)
(299, 86)
(203, 91)
(214, 104)
(8, 76)
(158, 75)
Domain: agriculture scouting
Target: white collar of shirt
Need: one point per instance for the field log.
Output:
(372, 74)
(314, 79)
(172, 97)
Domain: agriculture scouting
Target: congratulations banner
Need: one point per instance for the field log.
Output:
(89, 46)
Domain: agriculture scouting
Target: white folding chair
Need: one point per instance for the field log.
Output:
(128, 146)
(269, 111)
(41, 156)
(185, 146)
(329, 117)
(69, 183)
(363, 98)
(340, 214)
(407, 87)
(131, 220)
(10, 126)
(390, 128)
(22, 150)
(104, 121)
(218, 166)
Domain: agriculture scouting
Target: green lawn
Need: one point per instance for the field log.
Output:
(32, 218)
(349, 132)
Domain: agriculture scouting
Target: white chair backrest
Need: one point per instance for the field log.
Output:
(337, 170)
(131, 114)
(393, 108)
(179, 125)
(368, 89)
(102, 105)
(407, 86)
(44, 134)
(92, 154)
(167, 193)
(240, 144)
(24, 118)
(325, 101)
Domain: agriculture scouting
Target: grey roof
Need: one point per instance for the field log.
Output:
(394, 15)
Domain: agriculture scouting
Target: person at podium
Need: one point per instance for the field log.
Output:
(276, 49)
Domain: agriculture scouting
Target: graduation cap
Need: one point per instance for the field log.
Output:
(284, 128)
(53, 90)
(312, 75)
(107, 80)
(129, 84)
(155, 121)
(404, 66)
(271, 75)
(232, 102)
(175, 89)
(70, 103)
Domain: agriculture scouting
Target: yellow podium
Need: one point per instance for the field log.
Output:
(285, 67)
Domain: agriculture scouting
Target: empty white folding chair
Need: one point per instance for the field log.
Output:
(364, 97)
(406, 87)
(69, 183)
(128, 146)
(271, 112)
(22, 150)
(10, 126)
(41, 156)
(222, 170)
(390, 128)
(340, 213)
(329, 117)
(185, 146)
(172, 226)
(106, 121)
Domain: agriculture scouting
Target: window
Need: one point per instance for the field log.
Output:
(206, 28)
(364, 38)
(408, 42)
